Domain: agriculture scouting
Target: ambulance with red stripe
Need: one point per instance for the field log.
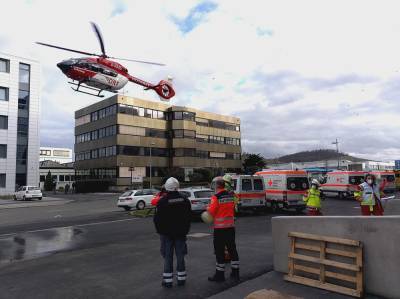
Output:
(342, 183)
(389, 177)
(284, 189)
(249, 190)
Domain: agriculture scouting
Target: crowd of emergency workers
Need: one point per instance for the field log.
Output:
(172, 221)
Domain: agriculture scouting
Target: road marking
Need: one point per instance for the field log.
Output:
(34, 204)
(199, 235)
(57, 227)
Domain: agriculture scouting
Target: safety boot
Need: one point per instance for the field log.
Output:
(235, 274)
(219, 276)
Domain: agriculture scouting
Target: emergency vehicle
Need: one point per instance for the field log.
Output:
(249, 189)
(342, 183)
(389, 176)
(397, 178)
(284, 189)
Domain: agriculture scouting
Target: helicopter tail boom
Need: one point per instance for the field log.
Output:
(164, 88)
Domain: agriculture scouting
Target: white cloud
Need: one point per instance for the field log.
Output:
(298, 73)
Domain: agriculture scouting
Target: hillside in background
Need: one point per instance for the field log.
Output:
(316, 155)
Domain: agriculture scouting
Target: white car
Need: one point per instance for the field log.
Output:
(28, 192)
(199, 198)
(136, 199)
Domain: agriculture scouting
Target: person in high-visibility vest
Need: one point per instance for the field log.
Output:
(313, 199)
(369, 196)
(222, 209)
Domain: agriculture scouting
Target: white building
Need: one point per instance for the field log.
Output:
(60, 155)
(61, 174)
(19, 122)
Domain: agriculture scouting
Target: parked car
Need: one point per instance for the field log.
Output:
(28, 192)
(199, 198)
(136, 199)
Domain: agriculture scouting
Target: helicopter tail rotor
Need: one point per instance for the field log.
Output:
(164, 89)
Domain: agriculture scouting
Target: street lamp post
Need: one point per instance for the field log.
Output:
(151, 146)
(131, 170)
(337, 151)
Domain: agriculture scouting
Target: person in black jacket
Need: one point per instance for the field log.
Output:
(172, 222)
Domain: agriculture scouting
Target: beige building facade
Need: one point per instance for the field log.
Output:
(127, 140)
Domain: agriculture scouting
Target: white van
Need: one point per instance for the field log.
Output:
(342, 183)
(390, 178)
(284, 189)
(249, 189)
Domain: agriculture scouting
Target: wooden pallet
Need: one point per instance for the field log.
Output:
(342, 257)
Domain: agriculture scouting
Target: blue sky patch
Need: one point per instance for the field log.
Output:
(195, 17)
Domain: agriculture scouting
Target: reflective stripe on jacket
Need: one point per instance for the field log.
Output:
(313, 198)
(368, 198)
(222, 208)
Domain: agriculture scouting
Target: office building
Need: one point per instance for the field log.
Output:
(19, 122)
(60, 155)
(124, 139)
(61, 174)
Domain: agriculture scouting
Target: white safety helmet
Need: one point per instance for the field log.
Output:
(171, 184)
(206, 217)
(315, 182)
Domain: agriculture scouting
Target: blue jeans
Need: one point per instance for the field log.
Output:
(168, 246)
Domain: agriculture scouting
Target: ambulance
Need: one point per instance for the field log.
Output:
(249, 189)
(284, 189)
(390, 178)
(342, 183)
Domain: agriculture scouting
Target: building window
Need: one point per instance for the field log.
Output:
(23, 99)
(217, 155)
(3, 151)
(178, 115)
(188, 116)
(148, 113)
(2, 180)
(178, 133)
(3, 93)
(45, 152)
(42, 178)
(4, 65)
(202, 154)
(3, 122)
(24, 76)
(61, 178)
(61, 153)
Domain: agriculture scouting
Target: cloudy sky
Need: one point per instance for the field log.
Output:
(298, 73)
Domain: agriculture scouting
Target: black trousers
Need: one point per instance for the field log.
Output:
(225, 237)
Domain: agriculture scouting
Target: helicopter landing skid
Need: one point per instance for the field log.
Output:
(78, 85)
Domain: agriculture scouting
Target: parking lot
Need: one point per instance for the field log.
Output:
(88, 248)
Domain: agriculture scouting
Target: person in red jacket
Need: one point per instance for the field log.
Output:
(222, 209)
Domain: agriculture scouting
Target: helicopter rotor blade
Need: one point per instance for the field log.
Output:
(66, 49)
(139, 61)
(99, 37)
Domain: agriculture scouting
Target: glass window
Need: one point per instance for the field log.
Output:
(141, 111)
(139, 193)
(246, 185)
(2, 180)
(203, 194)
(178, 133)
(185, 193)
(3, 122)
(3, 93)
(201, 138)
(217, 155)
(258, 184)
(126, 194)
(3, 151)
(160, 115)
(42, 178)
(61, 178)
(94, 116)
(61, 153)
(24, 76)
(178, 115)
(135, 131)
(148, 113)
(297, 183)
(188, 116)
(4, 65)
(155, 113)
(356, 180)
(202, 154)
(23, 99)
(189, 134)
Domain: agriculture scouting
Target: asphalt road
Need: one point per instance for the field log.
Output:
(88, 248)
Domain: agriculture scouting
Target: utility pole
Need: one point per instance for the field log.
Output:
(337, 150)
(151, 146)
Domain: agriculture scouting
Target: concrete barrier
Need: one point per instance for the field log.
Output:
(379, 235)
(392, 207)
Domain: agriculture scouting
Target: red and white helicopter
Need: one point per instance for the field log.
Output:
(100, 73)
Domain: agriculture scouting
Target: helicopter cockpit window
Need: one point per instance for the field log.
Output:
(109, 73)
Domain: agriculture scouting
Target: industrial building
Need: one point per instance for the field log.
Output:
(19, 122)
(127, 140)
(56, 154)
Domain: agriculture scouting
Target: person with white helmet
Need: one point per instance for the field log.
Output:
(172, 222)
(313, 199)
